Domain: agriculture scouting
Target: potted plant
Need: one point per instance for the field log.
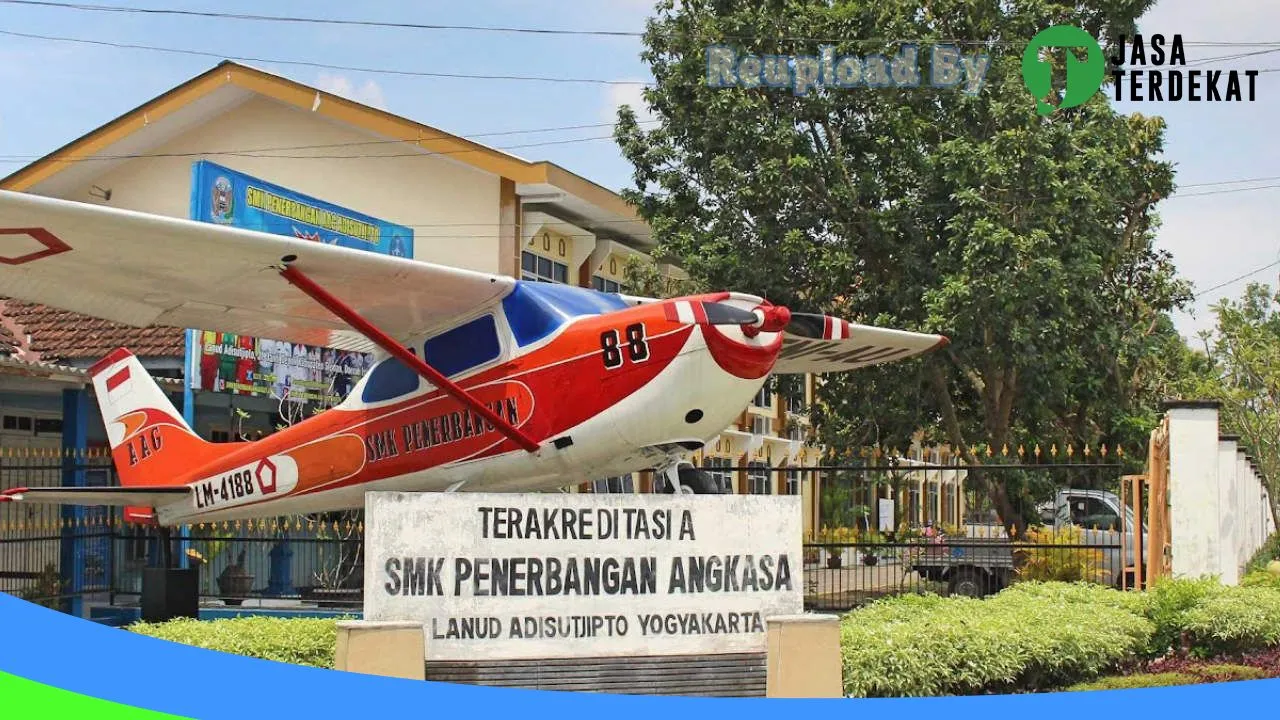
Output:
(235, 583)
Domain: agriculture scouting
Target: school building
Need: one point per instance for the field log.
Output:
(324, 160)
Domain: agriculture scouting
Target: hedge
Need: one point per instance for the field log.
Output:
(1031, 636)
(300, 641)
(1044, 635)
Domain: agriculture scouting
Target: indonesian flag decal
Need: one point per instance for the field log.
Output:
(117, 383)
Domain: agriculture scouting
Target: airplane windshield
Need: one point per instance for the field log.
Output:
(536, 309)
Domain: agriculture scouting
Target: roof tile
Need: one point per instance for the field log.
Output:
(59, 335)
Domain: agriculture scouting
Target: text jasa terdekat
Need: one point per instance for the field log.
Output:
(587, 574)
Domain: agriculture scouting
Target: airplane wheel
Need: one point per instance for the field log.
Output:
(696, 482)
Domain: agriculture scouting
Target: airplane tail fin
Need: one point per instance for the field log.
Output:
(151, 443)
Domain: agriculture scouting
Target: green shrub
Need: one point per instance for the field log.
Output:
(1142, 680)
(1269, 551)
(1167, 604)
(301, 641)
(1261, 578)
(1079, 592)
(1233, 620)
(1030, 636)
(1225, 672)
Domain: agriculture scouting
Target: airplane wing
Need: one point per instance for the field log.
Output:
(152, 496)
(140, 269)
(822, 344)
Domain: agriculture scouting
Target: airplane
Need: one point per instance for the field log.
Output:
(481, 382)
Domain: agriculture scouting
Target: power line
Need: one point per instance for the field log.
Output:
(409, 73)
(295, 19)
(1236, 279)
(255, 152)
(326, 66)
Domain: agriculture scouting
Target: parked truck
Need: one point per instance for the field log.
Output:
(975, 567)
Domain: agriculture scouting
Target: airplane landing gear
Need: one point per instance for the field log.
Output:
(683, 477)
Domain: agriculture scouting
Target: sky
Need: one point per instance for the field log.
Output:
(55, 91)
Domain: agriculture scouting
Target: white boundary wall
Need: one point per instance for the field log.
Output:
(1220, 512)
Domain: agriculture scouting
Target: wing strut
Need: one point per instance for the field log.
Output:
(386, 342)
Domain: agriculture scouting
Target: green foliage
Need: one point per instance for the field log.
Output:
(1224, 672)
(1269, 551)
(1028, 639)
(1141, 680)
(1072, 564)
(1167, 605)
(1026, 240)
(1261, 578)
(1243, 350)
(47, 588)
(1041, 635)
(300, 641)
(1233, 621)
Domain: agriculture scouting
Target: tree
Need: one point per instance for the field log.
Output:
(1027, 240)
(1244, 352)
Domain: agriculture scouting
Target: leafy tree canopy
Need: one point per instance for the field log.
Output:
(1027, 240)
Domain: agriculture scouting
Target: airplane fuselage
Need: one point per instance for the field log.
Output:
(604, 395)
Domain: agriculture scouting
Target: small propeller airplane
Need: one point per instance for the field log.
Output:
(481, 382)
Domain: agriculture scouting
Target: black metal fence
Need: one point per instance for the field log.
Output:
(871, 531)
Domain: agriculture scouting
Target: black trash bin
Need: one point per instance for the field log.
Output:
(169, 593)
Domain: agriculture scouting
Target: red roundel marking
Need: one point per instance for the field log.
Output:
(266, 474)
(52, 245)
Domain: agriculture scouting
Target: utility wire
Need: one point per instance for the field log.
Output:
(1219, 286)
(326, 66)
(256, 152)
(297, 19)
(399, 72)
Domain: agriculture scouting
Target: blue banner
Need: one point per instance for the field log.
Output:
(222, 195)
(301, 374)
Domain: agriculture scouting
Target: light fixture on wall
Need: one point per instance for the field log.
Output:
(98, 192)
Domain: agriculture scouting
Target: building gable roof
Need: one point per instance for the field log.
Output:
(212, 91)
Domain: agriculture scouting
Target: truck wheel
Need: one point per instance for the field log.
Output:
(967, 582)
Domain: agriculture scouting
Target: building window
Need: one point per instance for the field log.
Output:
(764, 398)
(718, 469)
(793, 482)
(795, 431)
(615, 485)
(761, 425)
(758, 480)
(540, 269)
(605, 285)
(795, 404)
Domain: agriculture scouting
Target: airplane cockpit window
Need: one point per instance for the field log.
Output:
(464, 347)
(388, 380)
(452, 352)
(535, 310)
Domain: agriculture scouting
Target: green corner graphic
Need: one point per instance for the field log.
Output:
(1083, 77)
(29, 700)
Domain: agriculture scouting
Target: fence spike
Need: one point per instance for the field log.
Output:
(989, 450)
(1104, 450)
(360, 527)
(1053, 450)
(1086, 451)
(1070, 450)
(1119, 451)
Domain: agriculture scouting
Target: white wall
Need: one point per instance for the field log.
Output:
(1218, 511)
(458, 203)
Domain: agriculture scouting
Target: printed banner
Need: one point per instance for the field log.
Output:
(520, 576)
(227, 363)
